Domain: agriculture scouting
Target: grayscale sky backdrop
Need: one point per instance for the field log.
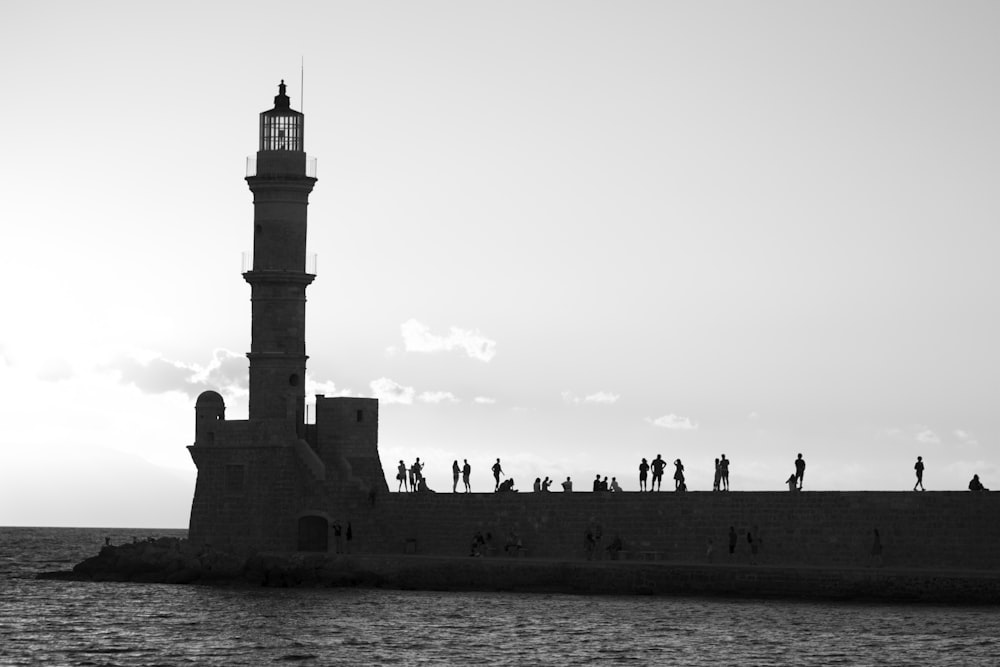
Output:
(566, 234)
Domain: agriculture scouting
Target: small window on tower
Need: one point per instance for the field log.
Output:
(361, 416)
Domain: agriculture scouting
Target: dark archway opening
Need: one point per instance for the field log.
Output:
(313, 533)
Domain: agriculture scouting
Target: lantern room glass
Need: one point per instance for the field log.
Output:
(281, 131)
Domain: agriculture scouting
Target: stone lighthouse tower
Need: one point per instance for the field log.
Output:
(281, 184)
(273, 482)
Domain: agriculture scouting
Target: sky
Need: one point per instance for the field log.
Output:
(566, 234)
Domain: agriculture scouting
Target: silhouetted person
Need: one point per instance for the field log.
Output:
(724, 472)
(546, 483)
(455, 472)
(401, 476)
(538, 485)
(643, 471)
(919, 468)
(466, 471)
(416, 474)
(976, 485)
(507, 486)
(791, 482)
(679, 476)
(589, 543)
(567, 485)
(718, 476)
(614, 485)
(753, 539)
(732, 541)
(337, 530)
(877, 550)
(497, 471)
(615, 546)
(800, 470)
(597, 484)
(604, 483)
(658, 465)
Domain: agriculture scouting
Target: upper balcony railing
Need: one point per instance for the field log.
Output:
(252, 166)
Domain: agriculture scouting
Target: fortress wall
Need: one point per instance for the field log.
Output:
(947, 530)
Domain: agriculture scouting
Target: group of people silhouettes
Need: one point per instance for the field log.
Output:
(412, 478)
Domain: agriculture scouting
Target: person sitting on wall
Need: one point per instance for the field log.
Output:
(477, 544)
(546, 483)
(614, 485)
(792, 484)
(615, 547)
(567, 485)
(514, 544)
(538, 485)
(976, 485)
(422, 486)
(507, 485)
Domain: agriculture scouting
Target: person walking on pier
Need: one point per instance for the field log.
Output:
(643, 470)
(800, 470)
(497, 471)
(455, 471)
(724, 472)
(466, 471)
(658, 465)
(919, 467)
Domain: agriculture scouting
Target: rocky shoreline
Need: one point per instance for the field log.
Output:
(173, 561)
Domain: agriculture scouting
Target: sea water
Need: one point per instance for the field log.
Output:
(74, 623)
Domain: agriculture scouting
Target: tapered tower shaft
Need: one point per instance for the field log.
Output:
(278, 277)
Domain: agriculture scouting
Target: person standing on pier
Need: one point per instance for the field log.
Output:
(466, 471)
(401, 476)
(643, 470)
(718, 476)
(658, 465)
(724, 472)
(800, 470)
(497, 471)
(919, 467)
(679, 476)
(455, 470)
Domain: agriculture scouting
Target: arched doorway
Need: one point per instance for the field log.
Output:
(313, 533)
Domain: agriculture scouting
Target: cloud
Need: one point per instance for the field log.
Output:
(673, 422)
(600, 398)
(328, 388)
(417, 337)
(227, 372)
(965, 437)
(438, 397)
(928, 437)
(753, 416)
(484, 400)
(55, 370)
(390, 391)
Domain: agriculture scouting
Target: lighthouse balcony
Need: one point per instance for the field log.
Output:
(281, 163)
(308, 269)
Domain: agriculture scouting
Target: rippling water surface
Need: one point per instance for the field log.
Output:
(67, 623)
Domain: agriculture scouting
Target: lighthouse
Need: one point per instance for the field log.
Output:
(280, 181)
(273, 482)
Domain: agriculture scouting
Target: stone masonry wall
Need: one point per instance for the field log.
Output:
(938, 530)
